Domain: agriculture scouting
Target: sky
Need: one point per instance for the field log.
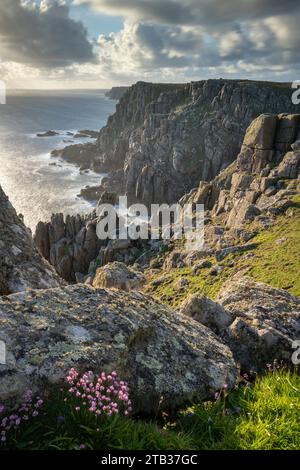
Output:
(51, 44)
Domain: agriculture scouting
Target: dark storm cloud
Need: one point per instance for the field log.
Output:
(42, 36)
(191, 12)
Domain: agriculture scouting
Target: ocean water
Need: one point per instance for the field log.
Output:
(35, 187)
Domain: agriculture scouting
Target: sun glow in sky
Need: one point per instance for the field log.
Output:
(100, 43)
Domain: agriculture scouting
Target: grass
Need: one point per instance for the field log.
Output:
(275, 261)
(263, 415)
(277, 258)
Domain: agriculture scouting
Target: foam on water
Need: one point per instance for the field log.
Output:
(36, 187)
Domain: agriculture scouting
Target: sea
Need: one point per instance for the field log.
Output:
(35, 186)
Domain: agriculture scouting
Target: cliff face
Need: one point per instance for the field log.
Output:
(21, 266)
(264, 177)
(116, 92)
(164, 139)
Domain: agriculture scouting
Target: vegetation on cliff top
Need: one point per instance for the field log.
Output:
(275, 261)
(263, 415)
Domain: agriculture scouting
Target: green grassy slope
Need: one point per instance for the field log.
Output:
(275, 261)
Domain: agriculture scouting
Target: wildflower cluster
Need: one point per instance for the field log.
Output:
(101, 395)
(28, 409)
(222, 392)
(275, 366)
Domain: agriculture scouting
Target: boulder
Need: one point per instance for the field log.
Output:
(266, 183)
(254, 160)
(202, 265)
(240, 182)
(241, 213)
(221, 254)
(174, 260)
(206, 194)
(47, 134)
(261, 133)
(267, 140)
(265, 322)
(119, 276)
(206, 312)
(289, 166)
(167, 358)
(287, 129)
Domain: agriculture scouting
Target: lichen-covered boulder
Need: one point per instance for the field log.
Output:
(205, 311)
(265, 322)
(167, 358)
(119, 276)
(21, 266)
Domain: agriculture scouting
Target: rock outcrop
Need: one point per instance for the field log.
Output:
(70, 244)
(265, 323)
(118, 276)
(206, 312)
(168, 359)
(267, 140)
(73, 248)
(163, 139)
(257, 185)
(256, 321)
(21, 266)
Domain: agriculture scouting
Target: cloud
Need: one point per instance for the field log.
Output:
(161, 40)
(42, 35)
(193, 12)
(202, 37)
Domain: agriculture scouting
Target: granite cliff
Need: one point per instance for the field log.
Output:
(164, 139)
(116, 92)
(21, 265)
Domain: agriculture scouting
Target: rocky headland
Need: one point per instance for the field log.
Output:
(163, 139)
(176, 323)
(116, 92)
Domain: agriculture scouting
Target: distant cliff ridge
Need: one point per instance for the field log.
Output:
(116, 92)
(163, 139)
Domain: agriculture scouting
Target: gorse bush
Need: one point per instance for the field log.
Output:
(95, 412)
